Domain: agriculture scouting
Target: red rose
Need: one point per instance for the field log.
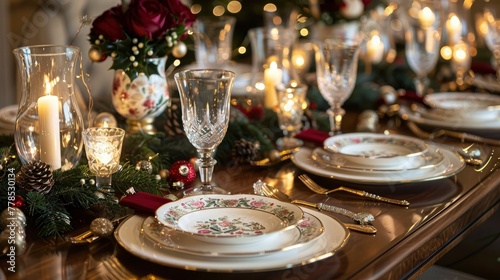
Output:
(180, 13)
(147, 18)
(109, 24)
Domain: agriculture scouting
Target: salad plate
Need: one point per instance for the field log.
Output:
(128, 235)
(305, 231)
(464, 105)
(376, 149)
(229, 219)
(451, 164)
(429, 159)
(421, 117)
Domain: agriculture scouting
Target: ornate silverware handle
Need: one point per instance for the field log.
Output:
(362, 217)
(375, 197)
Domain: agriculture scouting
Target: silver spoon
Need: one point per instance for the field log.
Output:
(262, 188)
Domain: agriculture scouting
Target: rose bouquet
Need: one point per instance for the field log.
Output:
(137, 30)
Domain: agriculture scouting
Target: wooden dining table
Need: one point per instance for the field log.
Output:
(408, 241)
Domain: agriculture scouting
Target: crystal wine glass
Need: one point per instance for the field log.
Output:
(336, 67)
(422, 21)
(492, 37)
(205, 98)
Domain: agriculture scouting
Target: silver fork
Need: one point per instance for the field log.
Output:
(320, 190)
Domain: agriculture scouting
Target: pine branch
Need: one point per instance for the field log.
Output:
(141, 181)
(76, 195)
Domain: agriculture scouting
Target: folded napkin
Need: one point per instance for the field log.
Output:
(313, 135)
(144, 203)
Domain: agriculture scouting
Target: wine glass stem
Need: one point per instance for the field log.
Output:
(206, 165)
(335, 114)
(103, 181)
(421, 85)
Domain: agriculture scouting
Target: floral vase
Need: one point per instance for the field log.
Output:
(141, 99)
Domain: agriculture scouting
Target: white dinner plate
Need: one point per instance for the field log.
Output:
(428, 160)
(308, 229)
(376, 149)
(451, 165)
(476, 127)
(8, 114)
(464, 105)
(229, 219)
(128, 235)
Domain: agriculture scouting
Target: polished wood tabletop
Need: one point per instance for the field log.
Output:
(408, 241)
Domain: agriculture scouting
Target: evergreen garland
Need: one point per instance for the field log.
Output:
(51, 213)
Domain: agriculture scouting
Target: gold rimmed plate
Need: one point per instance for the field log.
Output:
(429, 159)
(335, 236)
(307, 230)
(229, 219)
(375, 149)
(452, 164)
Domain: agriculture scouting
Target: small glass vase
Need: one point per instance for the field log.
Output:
(49, 123)
(141, 99)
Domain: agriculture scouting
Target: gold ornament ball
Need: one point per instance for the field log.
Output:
(95, 55)
(163, 174)
(105, 119)
(179, 50)
(101, 227)
(274, 155)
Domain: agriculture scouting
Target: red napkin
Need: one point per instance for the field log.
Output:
(144, 202)
(313, 135)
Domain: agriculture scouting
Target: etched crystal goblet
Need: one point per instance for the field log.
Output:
(205, 100)
(336, 70)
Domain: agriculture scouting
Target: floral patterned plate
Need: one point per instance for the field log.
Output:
(307, 230)
(229, 219)
(374, 149)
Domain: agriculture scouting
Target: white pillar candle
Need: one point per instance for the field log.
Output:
(375, 49)
(48, 118)
(453, 29)
(426, 17)
(272, 77)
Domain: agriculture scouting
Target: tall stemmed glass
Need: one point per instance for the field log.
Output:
(205, 96)
(492, 37)
(336, 67)
(422, 21)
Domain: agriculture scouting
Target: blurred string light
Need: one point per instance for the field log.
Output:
(234, 7)
(218, 10)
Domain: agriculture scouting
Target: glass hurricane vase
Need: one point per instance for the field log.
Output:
(205, 100)
(49, 123)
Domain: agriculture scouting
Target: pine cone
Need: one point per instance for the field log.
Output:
(173, 122)
(245, 151)
(35, 176)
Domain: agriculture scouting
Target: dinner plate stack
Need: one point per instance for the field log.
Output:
(477, 113)
(232, 233)
(373, 158)
(8, 119)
